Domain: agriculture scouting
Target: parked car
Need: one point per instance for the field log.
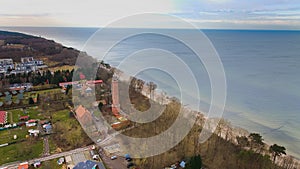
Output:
(129, 159)
(130, 165)
(173, 166)
(113, 157)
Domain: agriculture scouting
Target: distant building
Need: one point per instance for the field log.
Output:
(20, 86)
(28, 64)
(6, 65)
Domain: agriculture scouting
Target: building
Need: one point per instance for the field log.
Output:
(115, 96)
(6, 65)
(64, 85)
(34, 132)
(89, 165)
(24, 165)
(47, 128)
(84, 116)
(20, 86)
(3, 118)
(6, 62)
(28, 64)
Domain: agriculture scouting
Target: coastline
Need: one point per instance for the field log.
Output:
(162, 98)
(157, 96)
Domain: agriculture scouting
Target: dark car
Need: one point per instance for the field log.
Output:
(130, 165)
(128, 159)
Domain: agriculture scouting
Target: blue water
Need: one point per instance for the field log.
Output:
(262, 71)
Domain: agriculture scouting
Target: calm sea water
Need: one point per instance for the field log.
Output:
(262, 70)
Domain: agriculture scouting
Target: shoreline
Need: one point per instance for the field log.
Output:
(237, 131)
(156, 95)
(162, 97)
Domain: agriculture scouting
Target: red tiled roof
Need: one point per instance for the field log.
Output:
(83, 115)
(76, 82)
(3, 117)
(80, 111)
(23, 166)
(24, 117)
(31, 121)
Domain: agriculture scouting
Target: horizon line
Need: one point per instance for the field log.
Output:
(94, 27)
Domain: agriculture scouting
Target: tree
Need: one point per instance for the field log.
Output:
(30, 100)
(256, 141)
(194, 163)
(276, 151)
(68, 89)
(242, 141)
(100, 106)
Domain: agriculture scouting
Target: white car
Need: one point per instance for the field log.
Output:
(173, 166)
(8, 126)
(113, 157)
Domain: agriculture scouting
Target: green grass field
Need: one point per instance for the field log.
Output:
(51, 164)
(33, 113)
(21, 151)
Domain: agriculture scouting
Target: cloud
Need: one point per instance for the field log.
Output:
(95, 13)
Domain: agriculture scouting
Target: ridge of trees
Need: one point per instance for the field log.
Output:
(37, 47)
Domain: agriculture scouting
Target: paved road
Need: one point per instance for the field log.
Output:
(46, 146)
(119, 163)
(54, 156)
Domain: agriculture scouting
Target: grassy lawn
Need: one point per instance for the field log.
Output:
(62, 115)
(27, 95)
(68, 132)
(21, 151)
(32, 112)
(6, 136)
(48, 91)
(51, 164)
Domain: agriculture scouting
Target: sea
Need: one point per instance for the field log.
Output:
(262, 70)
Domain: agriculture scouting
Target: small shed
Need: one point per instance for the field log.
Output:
(47, 128)
(182, 164)
(24, 118)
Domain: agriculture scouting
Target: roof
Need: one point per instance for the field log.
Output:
(47, 126)
(94, 81)
(24, 117)
(88, 89)
(23, 165)
(83, 115)
(3, 117)
(182, 164)
(67, 83)
(76, 82)
(31, 121)
(68, 159)
(80, 111)
(89, 165)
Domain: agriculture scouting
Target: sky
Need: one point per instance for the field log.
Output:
(212, 14)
